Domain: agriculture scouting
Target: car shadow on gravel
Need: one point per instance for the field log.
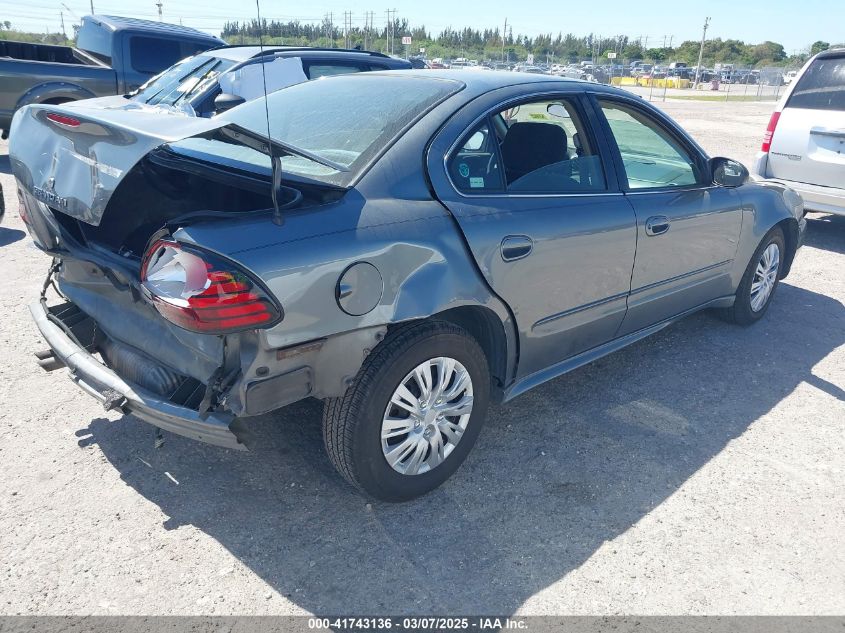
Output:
(10, 236)
(555, 474)
(826, 232)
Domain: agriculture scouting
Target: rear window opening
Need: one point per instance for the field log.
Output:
(822, 86)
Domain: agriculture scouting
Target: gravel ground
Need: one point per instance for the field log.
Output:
(697, 472)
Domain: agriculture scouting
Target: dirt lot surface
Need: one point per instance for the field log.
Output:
(699, 471)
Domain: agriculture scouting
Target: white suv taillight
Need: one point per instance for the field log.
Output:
(770, 132)
(202, 292)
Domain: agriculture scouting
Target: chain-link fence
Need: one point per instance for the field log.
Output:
(721, 83)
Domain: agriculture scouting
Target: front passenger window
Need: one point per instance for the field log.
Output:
(651, 156)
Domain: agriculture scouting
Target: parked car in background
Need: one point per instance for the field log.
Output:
(804, 144)
(217, 80)
(112, 56)
(441, 240)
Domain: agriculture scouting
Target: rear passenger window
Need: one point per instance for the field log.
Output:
(546, 149)
(822, 86)
(151, 55)
(539, 147)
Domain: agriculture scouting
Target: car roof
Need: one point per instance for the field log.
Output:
(118, 23)
(244, 52)
(479, 82)
(831, 52)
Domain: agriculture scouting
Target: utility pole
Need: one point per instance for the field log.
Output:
(159, 5)
(700, 53)
(62, 18)
(666, 79)
(346, 29)
(504, 33)
(393, 32)
(92, 7)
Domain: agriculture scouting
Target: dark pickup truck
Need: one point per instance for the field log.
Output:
(113, 56)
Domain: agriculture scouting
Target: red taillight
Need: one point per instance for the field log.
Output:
(770, 132)
(63, 119)
(202, 292)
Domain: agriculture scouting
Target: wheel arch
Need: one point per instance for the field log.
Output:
(489, 332)
(51, 91)
(764, 208)
(789, 226)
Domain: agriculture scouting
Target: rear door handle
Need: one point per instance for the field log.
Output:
(516, 247)
(657, 225)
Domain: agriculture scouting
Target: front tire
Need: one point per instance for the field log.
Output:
(760, 280)
(412, 413)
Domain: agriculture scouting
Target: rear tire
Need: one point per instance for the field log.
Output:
(436, 443)
(761, 277)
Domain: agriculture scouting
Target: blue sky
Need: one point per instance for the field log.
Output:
(795, 24)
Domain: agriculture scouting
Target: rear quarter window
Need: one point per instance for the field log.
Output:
(822, 86)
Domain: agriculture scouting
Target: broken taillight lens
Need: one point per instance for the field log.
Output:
(202, 292)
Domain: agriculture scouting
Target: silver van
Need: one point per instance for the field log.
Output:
(804, 144)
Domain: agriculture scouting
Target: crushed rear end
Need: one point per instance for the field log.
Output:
(97, 195)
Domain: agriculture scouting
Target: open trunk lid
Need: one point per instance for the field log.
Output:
(73, 156)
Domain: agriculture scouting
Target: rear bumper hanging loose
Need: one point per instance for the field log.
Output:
(115, 393)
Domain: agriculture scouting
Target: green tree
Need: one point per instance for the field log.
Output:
(818, 46)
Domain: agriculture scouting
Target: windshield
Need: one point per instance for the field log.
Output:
(183, 80)
(345, 120)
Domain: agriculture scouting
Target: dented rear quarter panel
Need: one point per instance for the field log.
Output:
(419, 252)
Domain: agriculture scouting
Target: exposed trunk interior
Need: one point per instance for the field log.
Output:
(163, 188)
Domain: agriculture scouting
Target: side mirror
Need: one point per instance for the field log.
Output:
(727, 172)
(226, 101)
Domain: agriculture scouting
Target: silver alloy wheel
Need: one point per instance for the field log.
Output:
(765, 277)
(426, 416)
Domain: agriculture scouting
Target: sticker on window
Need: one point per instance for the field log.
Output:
(476, 183)
(463, 170)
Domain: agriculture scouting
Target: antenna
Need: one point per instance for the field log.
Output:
(275, 161)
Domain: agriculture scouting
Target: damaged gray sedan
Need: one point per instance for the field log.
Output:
(407, 246)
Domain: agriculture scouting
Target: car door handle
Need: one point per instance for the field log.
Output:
(516, 247)
(657, 225)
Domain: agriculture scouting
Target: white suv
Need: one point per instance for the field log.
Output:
(804, 145)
